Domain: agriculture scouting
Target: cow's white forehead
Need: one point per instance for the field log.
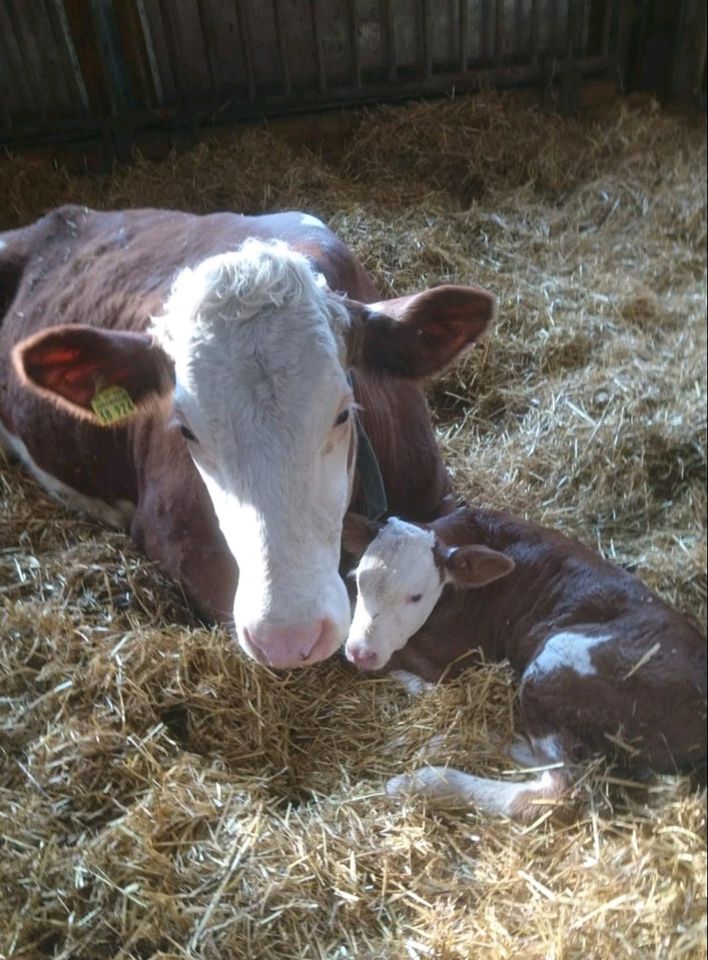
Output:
(261, 287)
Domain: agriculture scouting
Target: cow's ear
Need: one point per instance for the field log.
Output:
(474, 565)
(100, 375)
(421, 334)
(357, 533)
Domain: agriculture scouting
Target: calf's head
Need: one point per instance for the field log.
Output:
(400, 577)
(248, 367)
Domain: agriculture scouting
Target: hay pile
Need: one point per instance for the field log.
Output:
(163, 798)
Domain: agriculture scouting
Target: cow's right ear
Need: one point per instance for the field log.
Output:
(421, 334)
(99, 375)
(357, 533)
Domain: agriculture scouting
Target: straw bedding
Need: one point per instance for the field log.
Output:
(161, 797)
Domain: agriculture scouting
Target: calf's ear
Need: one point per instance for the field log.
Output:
(357, 533)
(475, 565)
(99, 375)
(421, 334)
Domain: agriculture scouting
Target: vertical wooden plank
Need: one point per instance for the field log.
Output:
(170, 32)
(319, 52)
(57, 17)
(355, 41)
(464, 20)
(486, 27)
(427, 31)
(208, 27)
(150, 52)
(244, 29)
(391, 40)
(16, 42)
(623, 35)
(282, 49)
(554, 37)
(607, 26)
(534, 31)
(498, 34)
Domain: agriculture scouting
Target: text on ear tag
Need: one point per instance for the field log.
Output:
(112, 404)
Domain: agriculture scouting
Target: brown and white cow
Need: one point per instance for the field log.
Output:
(604, 664)
(231, 341)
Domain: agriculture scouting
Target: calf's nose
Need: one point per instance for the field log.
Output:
(292, 645)
(363, 658)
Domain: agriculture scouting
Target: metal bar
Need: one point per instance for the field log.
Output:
(319, 51)
(427, 39)
(207, 34)
(498, 34)
(62, 27)
(464, 20)
(150, 51)
(391, 40)
(244, 30)
(355, 41)
(282, 48)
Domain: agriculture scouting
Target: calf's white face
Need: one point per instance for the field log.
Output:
(265, 405)
(400, 578)
(399, 581)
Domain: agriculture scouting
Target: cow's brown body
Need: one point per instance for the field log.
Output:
(114, 271)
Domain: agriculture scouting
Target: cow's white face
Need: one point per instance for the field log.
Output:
(398, 583)
(266, 408)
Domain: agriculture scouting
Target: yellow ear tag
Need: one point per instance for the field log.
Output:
(112, 404)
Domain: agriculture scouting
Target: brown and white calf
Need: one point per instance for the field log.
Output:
(604, 664)
(231, 352)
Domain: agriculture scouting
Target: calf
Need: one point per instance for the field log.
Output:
(604, 664)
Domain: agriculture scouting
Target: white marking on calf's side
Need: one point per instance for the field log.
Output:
(117, 515)
(567, 650)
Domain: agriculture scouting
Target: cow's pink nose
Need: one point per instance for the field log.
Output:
(293, 645)
(362, 657)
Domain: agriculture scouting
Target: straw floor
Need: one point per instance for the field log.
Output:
(160, 797)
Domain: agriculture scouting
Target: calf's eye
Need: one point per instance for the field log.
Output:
(187, 433)
(415, 597)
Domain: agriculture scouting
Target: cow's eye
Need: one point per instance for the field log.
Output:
(342, 417)
(415, 597)
(187, 433)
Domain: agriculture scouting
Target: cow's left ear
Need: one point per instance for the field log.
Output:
(421, 334)
(99, 375)
(473, 565)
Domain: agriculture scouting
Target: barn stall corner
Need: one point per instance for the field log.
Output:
(165, 797)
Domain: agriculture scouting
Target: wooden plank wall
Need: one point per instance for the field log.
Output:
(76, 68)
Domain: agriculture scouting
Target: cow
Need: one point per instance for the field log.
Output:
(604, 664)
(197, 381)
